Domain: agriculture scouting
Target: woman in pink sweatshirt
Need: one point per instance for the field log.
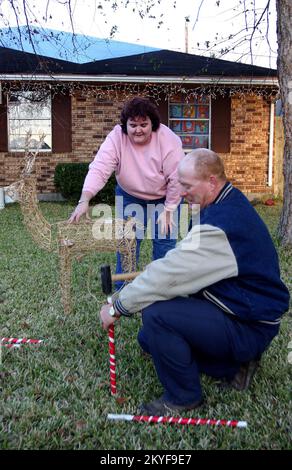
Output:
(144, 154)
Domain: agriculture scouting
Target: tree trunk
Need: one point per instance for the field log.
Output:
(284, 34)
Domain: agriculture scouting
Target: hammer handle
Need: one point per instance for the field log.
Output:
(125, 276)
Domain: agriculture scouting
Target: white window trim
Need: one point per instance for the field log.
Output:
(22, 150)
(185, 149)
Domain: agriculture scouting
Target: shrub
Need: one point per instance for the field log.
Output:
(69, 179)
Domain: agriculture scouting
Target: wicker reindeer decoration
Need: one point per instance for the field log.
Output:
(71, 240)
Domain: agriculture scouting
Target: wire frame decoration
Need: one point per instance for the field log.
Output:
(71, 240)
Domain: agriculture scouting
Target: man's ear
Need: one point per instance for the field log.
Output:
(213, 181)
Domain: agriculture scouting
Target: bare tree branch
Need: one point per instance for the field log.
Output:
(256, 25)
(198, 14)
(18, 27)
(28, 27)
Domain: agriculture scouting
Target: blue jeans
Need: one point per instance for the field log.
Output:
(188, 336)
(143, 211)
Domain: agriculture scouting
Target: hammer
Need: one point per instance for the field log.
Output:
(107, 278)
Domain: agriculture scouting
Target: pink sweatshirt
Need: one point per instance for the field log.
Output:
(144, 171)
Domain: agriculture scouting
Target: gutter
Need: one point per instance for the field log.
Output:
(2, 198)
(212, 80)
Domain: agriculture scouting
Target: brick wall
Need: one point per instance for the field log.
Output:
(247, 163)
(92, 119)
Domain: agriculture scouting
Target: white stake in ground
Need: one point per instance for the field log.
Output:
(17, 342)
(178, 420)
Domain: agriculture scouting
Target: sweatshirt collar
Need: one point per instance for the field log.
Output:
(227, 188)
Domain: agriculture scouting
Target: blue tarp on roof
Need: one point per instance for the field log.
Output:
(67, 46)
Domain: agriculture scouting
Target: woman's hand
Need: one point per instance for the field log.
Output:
(81, 209)
(166, 222)
(105, 318)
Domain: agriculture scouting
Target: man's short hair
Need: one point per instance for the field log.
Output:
(206, 163)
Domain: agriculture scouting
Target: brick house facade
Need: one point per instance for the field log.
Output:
(240, 125)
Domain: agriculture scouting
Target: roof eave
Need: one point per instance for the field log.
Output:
(212, 80)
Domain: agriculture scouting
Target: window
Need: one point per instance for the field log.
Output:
(29, 112)
(191, 121)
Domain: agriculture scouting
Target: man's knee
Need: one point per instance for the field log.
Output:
(142, 340)
(148, 315)
(152, 314)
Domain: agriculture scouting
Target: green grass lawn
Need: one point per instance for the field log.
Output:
(56, 395)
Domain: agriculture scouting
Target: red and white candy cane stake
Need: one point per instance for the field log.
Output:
(112, 355)
(173, 420)
(112, 359)
(16, 342)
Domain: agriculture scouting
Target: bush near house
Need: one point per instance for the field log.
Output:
(69, 179)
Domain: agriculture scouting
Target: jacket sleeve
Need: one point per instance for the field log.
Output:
(201, 259)
(104, 164)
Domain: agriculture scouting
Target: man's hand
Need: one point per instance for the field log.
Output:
(166, 221)
(105, 318)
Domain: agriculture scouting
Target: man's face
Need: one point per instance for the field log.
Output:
(193, 189)
(139, 130)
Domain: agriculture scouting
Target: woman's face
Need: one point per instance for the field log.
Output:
(139, 130)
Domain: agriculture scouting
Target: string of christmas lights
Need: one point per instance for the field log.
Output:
(158, 92)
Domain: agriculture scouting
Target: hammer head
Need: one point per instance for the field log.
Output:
(106, 279)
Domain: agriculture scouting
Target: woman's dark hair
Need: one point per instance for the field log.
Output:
(140, 107)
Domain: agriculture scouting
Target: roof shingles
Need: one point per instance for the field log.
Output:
(159, 63)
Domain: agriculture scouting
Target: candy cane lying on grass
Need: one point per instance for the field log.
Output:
(172, 420)
(17, 342)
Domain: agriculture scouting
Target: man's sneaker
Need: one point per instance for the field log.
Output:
(243, 378)
(161, 407)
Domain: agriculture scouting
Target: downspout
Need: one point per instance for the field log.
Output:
(271, 145)
(2, 198)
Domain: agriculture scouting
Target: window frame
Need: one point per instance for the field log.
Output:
(49, 120)
(195, 119)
